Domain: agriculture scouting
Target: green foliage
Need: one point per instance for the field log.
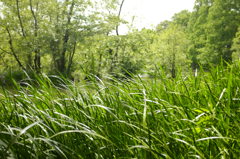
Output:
(170, 47)
(7, 78)
(236, 46)
(182, 18)
(127, 67)
(192, 116)
(96, 114)
(163, 25)
(34, 30)
(213, 26)
(77, 38)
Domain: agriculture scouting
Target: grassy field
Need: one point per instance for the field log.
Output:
(187, 117)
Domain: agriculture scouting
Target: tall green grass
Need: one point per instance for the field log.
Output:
(187, 117)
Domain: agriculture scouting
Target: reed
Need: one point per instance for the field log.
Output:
(186, 117)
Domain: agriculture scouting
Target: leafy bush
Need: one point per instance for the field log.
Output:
(7, 78)
(128, 67)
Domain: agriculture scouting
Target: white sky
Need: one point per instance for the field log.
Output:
(149, 13)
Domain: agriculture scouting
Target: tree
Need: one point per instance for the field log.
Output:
(24, 23)
(170, 47)
(213, 26)
(198, 36)
(163, 25)
(223, 21)
(44, 29)
(182, 18)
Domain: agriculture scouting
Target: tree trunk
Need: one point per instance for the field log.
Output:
(29, 57)
(119, 15)
(70, 60)
(173, 71)
(37, 58)
(13, 51)
(62, 60)
(115, 55)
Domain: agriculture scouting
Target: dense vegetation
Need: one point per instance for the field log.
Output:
(76, 38)
(73, 87)
(186, 117)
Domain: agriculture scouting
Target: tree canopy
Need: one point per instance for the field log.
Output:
(79, 37)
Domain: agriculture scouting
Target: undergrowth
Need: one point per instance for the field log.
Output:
(186, 117)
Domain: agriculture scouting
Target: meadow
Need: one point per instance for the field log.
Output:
(191, 116)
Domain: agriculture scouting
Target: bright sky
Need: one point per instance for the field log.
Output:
(149, 13)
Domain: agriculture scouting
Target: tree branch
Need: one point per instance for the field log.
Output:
(37, 59)
(20, 19)
(12, 49)
(119, 15)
